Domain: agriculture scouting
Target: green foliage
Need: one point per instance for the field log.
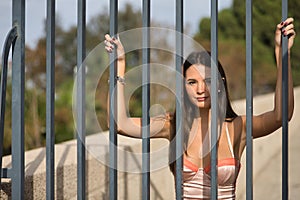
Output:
(65, 58)
(64, 122)
(34, 119)
(232, 27)
(226, 21)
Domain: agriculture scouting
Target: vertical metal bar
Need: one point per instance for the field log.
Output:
(113, 142)
(50, 106)
(18, 87)
(146, 102)
(249, 102)
(81, 69)
(214, 96)
(285, 174)
(179, 98)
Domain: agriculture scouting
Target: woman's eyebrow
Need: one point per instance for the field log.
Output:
(191, 79)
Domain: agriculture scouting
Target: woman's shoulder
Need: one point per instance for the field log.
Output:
(235, 127)
(235, 122)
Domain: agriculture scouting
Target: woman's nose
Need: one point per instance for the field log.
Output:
(201, 87)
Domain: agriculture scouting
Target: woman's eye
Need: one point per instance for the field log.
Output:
(191, 82)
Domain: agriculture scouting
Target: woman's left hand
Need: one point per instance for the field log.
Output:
(285, 28)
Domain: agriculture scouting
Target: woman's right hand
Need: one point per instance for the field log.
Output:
(111, 43)
(285, 28)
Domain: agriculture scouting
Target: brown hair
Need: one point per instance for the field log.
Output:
(189, 109)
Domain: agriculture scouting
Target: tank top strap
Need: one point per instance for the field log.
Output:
(229, 142)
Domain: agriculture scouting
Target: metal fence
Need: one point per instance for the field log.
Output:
(16, 41)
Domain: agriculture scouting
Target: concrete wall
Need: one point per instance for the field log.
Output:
(267, 159)
(129, 184)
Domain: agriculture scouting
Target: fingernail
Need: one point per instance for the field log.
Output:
(281, 23)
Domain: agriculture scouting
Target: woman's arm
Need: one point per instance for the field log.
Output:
(159, 126)
(288, 31)
(268, 122)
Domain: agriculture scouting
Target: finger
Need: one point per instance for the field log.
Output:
(108, 44)
(290, 26)
(288, 21)
(288, 29)
(116, 41)
(109, 49)
(280, 28)
(290, 33)
(108, 38)
(285, 23)
(111, 40)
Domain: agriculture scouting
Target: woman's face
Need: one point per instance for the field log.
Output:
(197, 85)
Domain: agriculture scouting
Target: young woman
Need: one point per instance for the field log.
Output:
(196, 123)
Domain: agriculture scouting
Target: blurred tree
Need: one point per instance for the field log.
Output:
(65, 58)
(231, 24)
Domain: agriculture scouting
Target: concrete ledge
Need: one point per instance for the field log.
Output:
(97, 180)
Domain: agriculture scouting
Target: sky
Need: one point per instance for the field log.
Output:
(161, 11)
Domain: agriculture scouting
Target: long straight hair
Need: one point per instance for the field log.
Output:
(190, 110)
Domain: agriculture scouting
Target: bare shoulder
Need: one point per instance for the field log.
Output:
(240, 134)
(236, 126)
(236, 130)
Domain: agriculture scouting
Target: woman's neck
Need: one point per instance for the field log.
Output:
(203, 114)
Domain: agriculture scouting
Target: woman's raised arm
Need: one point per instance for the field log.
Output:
(159, 126)
(268, 122)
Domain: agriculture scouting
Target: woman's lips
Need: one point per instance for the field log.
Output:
(201, 98)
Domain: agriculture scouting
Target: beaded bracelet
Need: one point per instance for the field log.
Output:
(119, 79)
